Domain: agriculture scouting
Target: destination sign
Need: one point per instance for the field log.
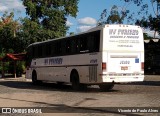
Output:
(52, 61)
(123, 32)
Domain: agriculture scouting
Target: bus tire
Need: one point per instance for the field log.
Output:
(34, 78)
(60, 84)
(106, 87)
(75, 81)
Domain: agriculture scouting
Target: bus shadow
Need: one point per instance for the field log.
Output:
(146, 83)
(47, 87)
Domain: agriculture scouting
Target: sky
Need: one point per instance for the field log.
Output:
(87, 17)
(89, 13)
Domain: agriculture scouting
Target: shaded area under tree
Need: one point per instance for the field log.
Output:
(13, 59)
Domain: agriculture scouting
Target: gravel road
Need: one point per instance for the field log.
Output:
(20, 92)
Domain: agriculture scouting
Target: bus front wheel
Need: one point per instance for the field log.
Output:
(34, 78)
(106, 87)
(75, 81)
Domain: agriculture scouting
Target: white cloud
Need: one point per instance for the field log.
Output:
(68, 23)
(84, 28)
(7, 5)
(85, 24)
(3, 8)
(87, 21)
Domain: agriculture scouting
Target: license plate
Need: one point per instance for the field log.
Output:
(124, 67)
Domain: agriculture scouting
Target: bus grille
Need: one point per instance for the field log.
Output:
(92, 73)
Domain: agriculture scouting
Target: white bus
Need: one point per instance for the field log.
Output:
(101, 56)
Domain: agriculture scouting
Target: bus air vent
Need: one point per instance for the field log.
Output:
(92, 73)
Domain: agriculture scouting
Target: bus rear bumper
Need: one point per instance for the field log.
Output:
(122, 79)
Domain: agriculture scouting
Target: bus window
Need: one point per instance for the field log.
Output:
(48, 49)
(68, 46)
(97, 40)
(39, 51)
(93, 41)
(57, 48)
(53, 49)
(36, 52)
(78, 45)
(63, 47)
(74, 46)
(83, 44)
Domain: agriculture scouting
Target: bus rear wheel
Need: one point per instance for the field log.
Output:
(106, 87)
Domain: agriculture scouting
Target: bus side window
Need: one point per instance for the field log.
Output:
(36, 53)
(74, 46)
(39, 51)
(48, 49)
(68, 47)
(91, 42)
(63, 47)
(77, 46)
(97, 40)
(53, 48)
(58, 49)
(83, 43)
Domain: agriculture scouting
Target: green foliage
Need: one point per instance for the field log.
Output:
(140, 17)
(47, 18)
(149, 21)
(20, 68)
(116, 16)
(137, 2)
(31, 31)
(10, 41)
(146, 37)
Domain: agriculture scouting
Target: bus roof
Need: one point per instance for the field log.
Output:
(90, 30)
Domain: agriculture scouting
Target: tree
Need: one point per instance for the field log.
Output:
(30, 31)
(150, 21)
(115, 16)
(122, 14)
(8, 33)
(47, 18)
(140, 16)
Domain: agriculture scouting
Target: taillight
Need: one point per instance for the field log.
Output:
(142, 66)
(104, 66)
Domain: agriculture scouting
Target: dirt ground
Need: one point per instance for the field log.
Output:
(62, 100)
